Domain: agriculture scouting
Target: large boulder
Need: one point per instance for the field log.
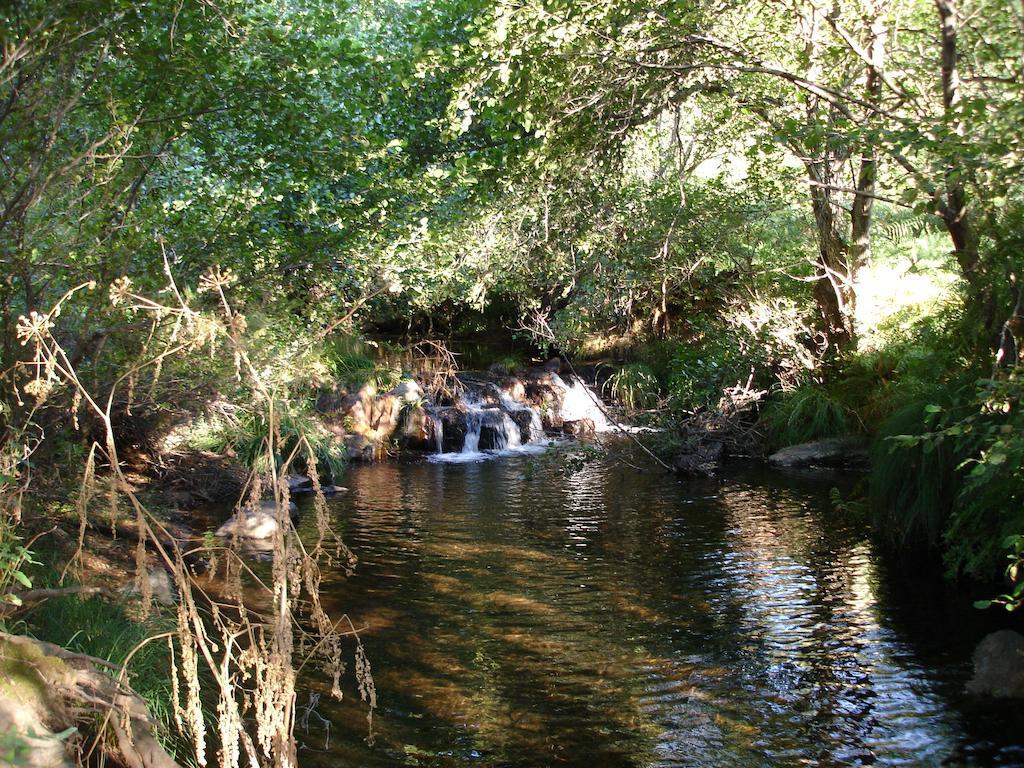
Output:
(384, 414)
(999, 666)
(850, 452)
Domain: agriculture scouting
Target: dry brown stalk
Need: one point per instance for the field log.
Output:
(250, 656)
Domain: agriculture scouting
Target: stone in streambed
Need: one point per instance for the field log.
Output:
(299, 484)
(701, 461)
(999, 666)
(849, 451)
(258, 524)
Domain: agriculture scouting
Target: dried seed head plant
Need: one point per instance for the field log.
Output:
(249, 653)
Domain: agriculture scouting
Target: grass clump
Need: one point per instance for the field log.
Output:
(353, 368)
(635, 386)
(913, 484)
(807, 413)
(247, 436)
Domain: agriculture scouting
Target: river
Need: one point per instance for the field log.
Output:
(561, 609)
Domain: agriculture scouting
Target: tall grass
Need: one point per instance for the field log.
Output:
(807, 413)
(913, 485)
(354, 369)
(635, 386)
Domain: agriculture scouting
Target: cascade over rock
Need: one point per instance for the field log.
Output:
(479, 412)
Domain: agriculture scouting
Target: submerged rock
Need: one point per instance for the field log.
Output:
(849, 451)
(160, 586)
(999, 666)
(258, 524)
(702, 461)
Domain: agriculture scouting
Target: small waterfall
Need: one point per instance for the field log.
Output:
(492, 427)
(514, 406)
(506, 433)
(502, 432)
(474, 425)
(579, 403)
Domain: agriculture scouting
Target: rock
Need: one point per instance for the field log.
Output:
(299, 484)
(702, 461)
(408, 390)
(384, 415)
(417, 430)
(329, 402)
(849, 452)
(999, 666)
(354, 414)
(515, 389)
(453, 424)
(359, 447)
(261, 524)
(524, 420)
(331, 490)
(554, 365)
(160, 586)
(493, 429)
(581, 429)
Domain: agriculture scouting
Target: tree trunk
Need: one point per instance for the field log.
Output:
(863, 201)
(953, 208)
(834, 289)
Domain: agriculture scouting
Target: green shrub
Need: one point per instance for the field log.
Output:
(700, 373)
(635, 386)
(988, 435)
(807, 413)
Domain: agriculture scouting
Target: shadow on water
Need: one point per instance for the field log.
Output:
(536, 612)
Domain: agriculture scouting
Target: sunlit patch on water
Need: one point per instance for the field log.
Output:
(528, 610)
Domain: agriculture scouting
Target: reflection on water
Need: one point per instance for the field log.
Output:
(530, 612)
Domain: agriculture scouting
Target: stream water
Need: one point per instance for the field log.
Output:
(545, 610)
